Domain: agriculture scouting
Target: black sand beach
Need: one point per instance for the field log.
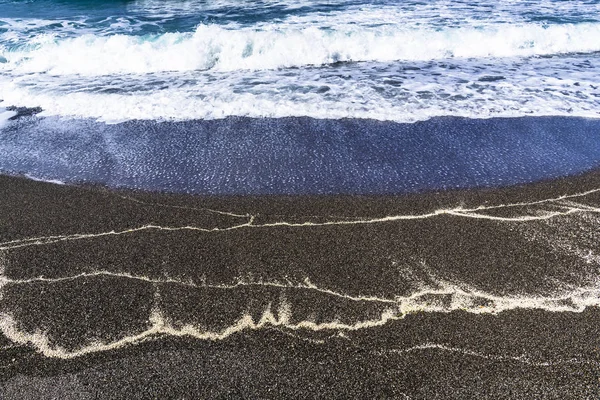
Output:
(299, 199)
(488, 293)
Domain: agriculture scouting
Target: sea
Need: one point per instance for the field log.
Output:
(400, 61)
(299, 96)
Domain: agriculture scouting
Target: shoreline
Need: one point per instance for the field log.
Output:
(353, 205)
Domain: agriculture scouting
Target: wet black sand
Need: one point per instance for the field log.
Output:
(419, 305)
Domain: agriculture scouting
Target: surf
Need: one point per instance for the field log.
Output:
(218, 48)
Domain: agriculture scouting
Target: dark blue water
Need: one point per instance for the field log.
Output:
(302, 155)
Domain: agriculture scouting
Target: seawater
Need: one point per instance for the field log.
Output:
(296, 156)
(400, 61)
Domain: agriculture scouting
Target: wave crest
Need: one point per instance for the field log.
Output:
(213, 47)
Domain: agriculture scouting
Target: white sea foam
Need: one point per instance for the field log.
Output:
(217, 48)
(438, 296)
(522, 358)
(395, 91)
(541, 210)
(5, 116)
(221, 58)
(330, 98)
(35, 178)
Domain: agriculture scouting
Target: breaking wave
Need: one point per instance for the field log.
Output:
(219, 48)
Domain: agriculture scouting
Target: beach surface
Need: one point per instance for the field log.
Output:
(300, 199)
(486, 293)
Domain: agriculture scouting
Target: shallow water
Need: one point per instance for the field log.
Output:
(295, 156)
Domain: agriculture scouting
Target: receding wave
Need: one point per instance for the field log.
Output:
(213, 47)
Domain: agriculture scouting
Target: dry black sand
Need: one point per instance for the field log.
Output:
(118, 294)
